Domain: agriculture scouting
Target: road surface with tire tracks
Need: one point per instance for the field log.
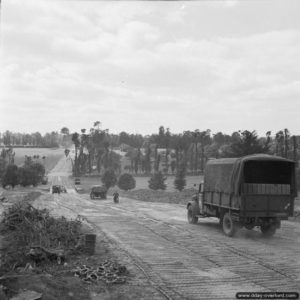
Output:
(184, 261)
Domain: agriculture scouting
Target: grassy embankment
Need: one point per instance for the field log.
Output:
(143, 193)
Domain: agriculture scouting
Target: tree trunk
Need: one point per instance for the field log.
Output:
(202, 158)
(295, 150)
(90, 164)
(76, 162)
(196, 157)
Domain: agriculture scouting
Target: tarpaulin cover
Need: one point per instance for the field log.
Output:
(226, 174)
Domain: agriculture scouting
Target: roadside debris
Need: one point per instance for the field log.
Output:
(109, 271)
(39, 253)
(32, 235)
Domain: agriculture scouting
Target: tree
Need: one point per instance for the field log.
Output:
(75, 140)
(286, 142)
(205, 140)
(147, 160)
(97, 124)
(157, 181)
(39, 172)
(180, 181)
(279, 138)
(126, 182)
(66, 136)
(109, 178)
(245, 143)
(10, 176)
(65, 130)
(111, 160)
(3, 165)
(196, 136)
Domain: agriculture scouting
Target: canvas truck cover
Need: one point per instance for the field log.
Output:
(226, 174)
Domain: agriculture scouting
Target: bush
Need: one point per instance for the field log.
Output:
(31, 174)
(109, 178)
(157, 181)
(180, 181)
(10, 176)
(126, 182)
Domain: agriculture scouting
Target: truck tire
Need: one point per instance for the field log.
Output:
(267, 230)
(229, 227)
(192, 219)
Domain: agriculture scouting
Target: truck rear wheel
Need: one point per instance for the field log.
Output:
(192, 219)
(229, 227)
(268, 230)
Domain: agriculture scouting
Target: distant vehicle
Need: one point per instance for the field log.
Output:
(98, 191)
(255, 190)
(77, 180)
(58, 189)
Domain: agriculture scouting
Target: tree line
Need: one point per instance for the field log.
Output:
(169, 152)
(15, 139)
(95, 148)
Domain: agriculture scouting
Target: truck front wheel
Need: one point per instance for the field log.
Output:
(192, 219)
(229, 227)
(267, 230)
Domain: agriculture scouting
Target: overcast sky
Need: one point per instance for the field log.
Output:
(133, 66)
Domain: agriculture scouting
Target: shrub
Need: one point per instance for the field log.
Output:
(180, 181)
(157, 181)
(10, 176)
(126, 182)
(109, 179)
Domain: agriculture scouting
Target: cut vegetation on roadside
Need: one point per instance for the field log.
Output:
(50, 256)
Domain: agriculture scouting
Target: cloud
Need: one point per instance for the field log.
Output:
(231, 3)
(73, 61)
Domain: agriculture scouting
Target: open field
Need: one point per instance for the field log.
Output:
(52, 156)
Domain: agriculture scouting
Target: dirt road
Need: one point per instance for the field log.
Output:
(184, 261)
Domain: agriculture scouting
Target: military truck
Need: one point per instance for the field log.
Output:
(98, 191)
(255, 190)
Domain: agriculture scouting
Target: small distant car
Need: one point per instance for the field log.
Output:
(98, 191)
(58, 189)
(77, 180)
